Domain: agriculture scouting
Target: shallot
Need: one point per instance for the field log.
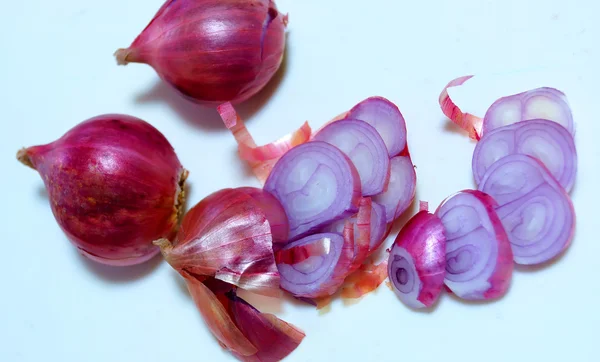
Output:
(536, 211)
(115, 184)
(479, 262)
(212, 51)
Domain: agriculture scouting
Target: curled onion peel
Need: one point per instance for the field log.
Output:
(386, 118)
(478, 255)
(260, 158)
(317, 184)
(364, 146)
(539, 103)
(212, 51)
(536, 212)
(401, 188)
(320, 275)
(468, 122)
(417, 261)
(226, 236)
(250, 335)
(115, 184)
(547, 141)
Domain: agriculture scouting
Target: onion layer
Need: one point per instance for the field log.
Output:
(401, 188)
(547, 141)
(535, 210)
(417, 261)
(316, 184)
(478, 254)
(273, 210)
(115, 184)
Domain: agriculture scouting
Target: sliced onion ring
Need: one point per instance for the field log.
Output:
(416, 265)
(478, 256)
(539, 103)
(387, 120)
(364, 146)
(401, 188)
(317, 184)
(547, 141)
(535, 210)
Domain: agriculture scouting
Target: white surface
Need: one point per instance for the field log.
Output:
(57, 69)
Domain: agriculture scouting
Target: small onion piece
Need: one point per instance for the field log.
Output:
(417, 261)
(535, 210)
(273, 210)
(364, 146)
(539, 103)
(321, 274)
(387, 120)
(478, 256)
(547, 141)
(401, 188)
(317, 184)
(365, 280)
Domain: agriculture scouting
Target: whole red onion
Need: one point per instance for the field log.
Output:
(212, 51)
(115, 184)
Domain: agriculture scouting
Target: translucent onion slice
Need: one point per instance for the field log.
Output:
(273, 210)
(469, 122)
(364, 146)
(260, 158)
(535, 210)
(387, 120)
(360, 232)
(478, 256)
(401, 188)
(320, 275)
(317, 184)
(547, 141)
(539, 103)
(417, 261)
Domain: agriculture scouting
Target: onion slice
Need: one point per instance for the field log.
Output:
(539, 103)
(547, 141)
(478, 255)
(260, 158)
(417, 261)
(401, 188)
(273, 210)
(317, 184)
(364, 146)
(387, 120)
(361, 239)
(535, 210)
(320, 275)
(467, 121)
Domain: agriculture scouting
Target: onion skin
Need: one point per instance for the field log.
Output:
(115, 184)
(212, 51)
(466, 121)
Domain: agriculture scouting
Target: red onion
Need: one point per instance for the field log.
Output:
(115, 184)
(547, 141)
(417, 261)
(535, 210)
(387, 120)
(401, 188)
(540, 103)
(478, 255)
(317, 184)
(364, 146)
(212, 51)
(227, 236)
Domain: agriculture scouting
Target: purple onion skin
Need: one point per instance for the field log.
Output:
(524, 189)
(547, 141)
(479, 262)
(417, 261)
(551, 105)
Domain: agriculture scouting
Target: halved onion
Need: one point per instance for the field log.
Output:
(547, 141)
(364, 146)
(401, 188)
(535, 210)
(545, 103)
(478, 256)
(417, 261)
(316, 184)
(387, 120)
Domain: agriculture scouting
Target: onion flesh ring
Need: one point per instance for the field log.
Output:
(401, 188)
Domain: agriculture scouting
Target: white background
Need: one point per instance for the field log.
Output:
(57, 69)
